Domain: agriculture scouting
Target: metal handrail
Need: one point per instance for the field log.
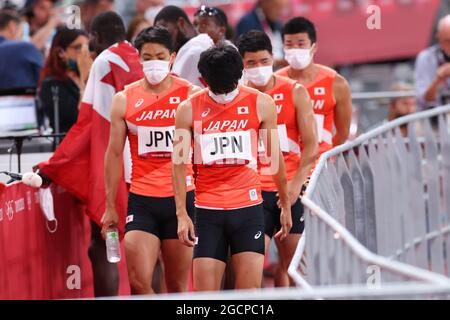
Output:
(341, 232)
(382, 95)
(369, 135)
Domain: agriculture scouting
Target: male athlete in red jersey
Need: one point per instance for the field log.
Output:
(329, 91)
(145, 111)
(224, 121)
(295, 121)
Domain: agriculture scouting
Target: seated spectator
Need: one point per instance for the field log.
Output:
(432, 70)
(64, 72)
(20, 61)
(136, 25)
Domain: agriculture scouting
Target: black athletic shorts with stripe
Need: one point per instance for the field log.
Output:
(156, 215)
(239, 230)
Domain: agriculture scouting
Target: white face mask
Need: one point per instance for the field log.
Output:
(155, 70)
(298, 58)
(46, 204)
(259, 76)
(224, 97)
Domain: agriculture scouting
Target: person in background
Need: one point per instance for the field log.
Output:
(64, 71)
(266, 16)
(92, 8)
(212, 21)
(136, 25)
(149, 8)
(188, 44)
(399, 107)
(20, 61)
(41, 18)
(432, 70)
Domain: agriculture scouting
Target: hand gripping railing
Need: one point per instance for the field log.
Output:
(377, 209)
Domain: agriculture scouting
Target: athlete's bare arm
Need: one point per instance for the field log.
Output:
(114, 158)
(308, 131)
(267, 113)
(343, 111)
(180, 157)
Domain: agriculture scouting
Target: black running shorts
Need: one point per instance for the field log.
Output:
(239, 230)
(156, 215)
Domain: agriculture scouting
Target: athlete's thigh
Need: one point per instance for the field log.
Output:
(248, 269)
(211, 249)
(177, 259)
(141, 251)
(208, 274)
(246, 234)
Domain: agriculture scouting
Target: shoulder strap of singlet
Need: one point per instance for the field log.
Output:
(325, 71)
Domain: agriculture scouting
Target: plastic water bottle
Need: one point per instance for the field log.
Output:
(112, 245)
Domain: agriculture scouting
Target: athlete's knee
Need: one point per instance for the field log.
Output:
(176, 284)
(283, 265)
(140, 284)
(248, 283)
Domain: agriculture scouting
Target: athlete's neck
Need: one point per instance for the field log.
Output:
(304, 76)
(266, 87)
(158, 88)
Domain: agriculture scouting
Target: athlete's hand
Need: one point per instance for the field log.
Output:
(109, 218)
(186, 232)
(285, 221)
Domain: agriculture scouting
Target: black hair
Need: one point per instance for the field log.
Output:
(216, 13)
(171, 14)
(221, 67)
(300, 25)
(254, 41)
(6, 16)
(109, 26)
(154, 34)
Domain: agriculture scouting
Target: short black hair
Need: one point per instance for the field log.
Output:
(216, 13)
(171, 14)
(109, 26)
(300, 25)
(155, 34)
(221, 67)
(6, 16)
(254, 41)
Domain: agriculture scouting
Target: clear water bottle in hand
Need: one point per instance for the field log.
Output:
(112, 244)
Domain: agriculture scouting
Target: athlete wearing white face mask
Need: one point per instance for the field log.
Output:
(299, 58)
(156, 71)
(145, 112)
(295, 123)
(329, 91)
